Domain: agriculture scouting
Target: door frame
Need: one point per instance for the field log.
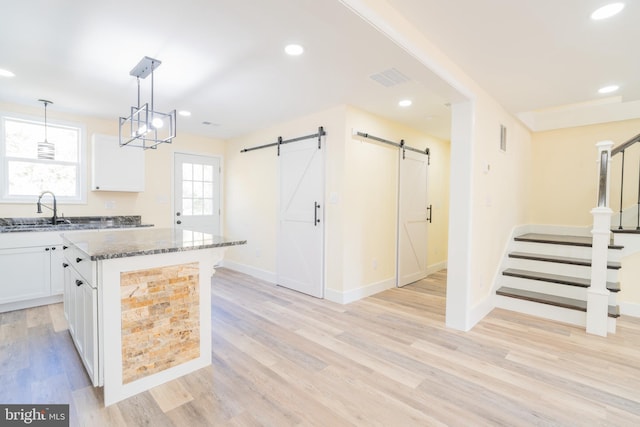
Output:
(172, 203)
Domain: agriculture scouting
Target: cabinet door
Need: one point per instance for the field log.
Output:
(83, 321)
(25, 273)
(89, 302)
(57, 271)
(115, 168)
(69, 298)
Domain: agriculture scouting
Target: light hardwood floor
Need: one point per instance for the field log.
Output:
(284, 359)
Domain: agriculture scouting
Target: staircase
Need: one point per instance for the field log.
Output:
(548, 275)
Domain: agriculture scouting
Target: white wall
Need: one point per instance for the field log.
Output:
(154, 204)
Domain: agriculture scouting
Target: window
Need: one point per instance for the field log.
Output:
(197, 189)
(30, 165)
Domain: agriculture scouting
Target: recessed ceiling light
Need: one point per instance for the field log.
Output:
(184, 113)
(294, 49)
(607, 11)
(405, 103)
(608, 89)
(6, 73)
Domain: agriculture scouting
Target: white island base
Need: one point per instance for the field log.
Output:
(139, 305)
(158, 314)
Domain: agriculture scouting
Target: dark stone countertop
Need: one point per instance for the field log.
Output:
(140, 241)
(39, 224)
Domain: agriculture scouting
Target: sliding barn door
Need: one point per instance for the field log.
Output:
(301, 223)
(412, 218)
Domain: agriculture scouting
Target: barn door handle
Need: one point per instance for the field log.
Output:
(430, 213)
(316, 220)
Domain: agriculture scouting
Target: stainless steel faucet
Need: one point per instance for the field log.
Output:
(54, 218)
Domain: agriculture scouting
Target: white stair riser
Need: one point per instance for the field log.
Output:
(560, 250)
(566, 291)
(557, 268)
(550, 312)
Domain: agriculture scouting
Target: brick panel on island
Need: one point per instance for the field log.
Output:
(160, 319)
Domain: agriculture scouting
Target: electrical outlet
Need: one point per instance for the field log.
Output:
(110, 204)
(375, 264)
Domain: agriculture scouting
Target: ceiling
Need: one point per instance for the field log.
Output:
(223, 60)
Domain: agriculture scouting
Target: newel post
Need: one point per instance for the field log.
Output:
(598, 295)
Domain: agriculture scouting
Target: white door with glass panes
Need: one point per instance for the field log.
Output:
(197, 193)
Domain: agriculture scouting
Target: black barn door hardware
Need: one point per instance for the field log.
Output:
(430, 210)
(321, 132)
(402, 145)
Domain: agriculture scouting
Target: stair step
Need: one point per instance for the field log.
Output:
(573, 304)
(633, 230)
(561, 260)
(556, 278)
(558, 239)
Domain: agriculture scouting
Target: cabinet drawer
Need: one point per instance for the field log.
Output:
(81, 262)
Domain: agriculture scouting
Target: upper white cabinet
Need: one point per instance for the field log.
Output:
(115, 168)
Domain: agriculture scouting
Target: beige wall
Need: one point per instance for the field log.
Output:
(500, 198)
(372, 172)
(154, 204)
(360, 198)
(565, 174)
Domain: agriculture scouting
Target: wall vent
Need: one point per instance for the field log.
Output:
(390, 77)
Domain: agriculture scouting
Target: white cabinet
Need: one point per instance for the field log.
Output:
(115, 168)
(81, 308)
(31, 270)
(25, 274)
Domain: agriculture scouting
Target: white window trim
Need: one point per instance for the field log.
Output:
(82, 161)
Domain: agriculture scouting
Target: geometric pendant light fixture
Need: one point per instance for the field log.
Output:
(145, 127)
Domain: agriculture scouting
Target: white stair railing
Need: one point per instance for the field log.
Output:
(598, 295)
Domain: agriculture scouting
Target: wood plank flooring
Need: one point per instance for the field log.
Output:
(281, 358)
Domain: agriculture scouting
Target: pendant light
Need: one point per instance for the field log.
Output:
(46, 149)
(145, 127)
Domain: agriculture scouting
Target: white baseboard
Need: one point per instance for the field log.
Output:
(265, 275)
(19, 305)
(629, 309)
(436, 267)
(359, 293)
(479, 311)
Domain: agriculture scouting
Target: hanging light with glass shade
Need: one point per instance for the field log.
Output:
(145, 127)
(46, 149)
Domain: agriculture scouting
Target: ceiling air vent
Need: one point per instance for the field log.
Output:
(390, 77)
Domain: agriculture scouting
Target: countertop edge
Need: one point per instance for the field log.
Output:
(104, 257)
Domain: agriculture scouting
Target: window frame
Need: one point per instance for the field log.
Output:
(81, 165)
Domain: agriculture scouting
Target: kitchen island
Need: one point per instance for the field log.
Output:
(138, 304)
